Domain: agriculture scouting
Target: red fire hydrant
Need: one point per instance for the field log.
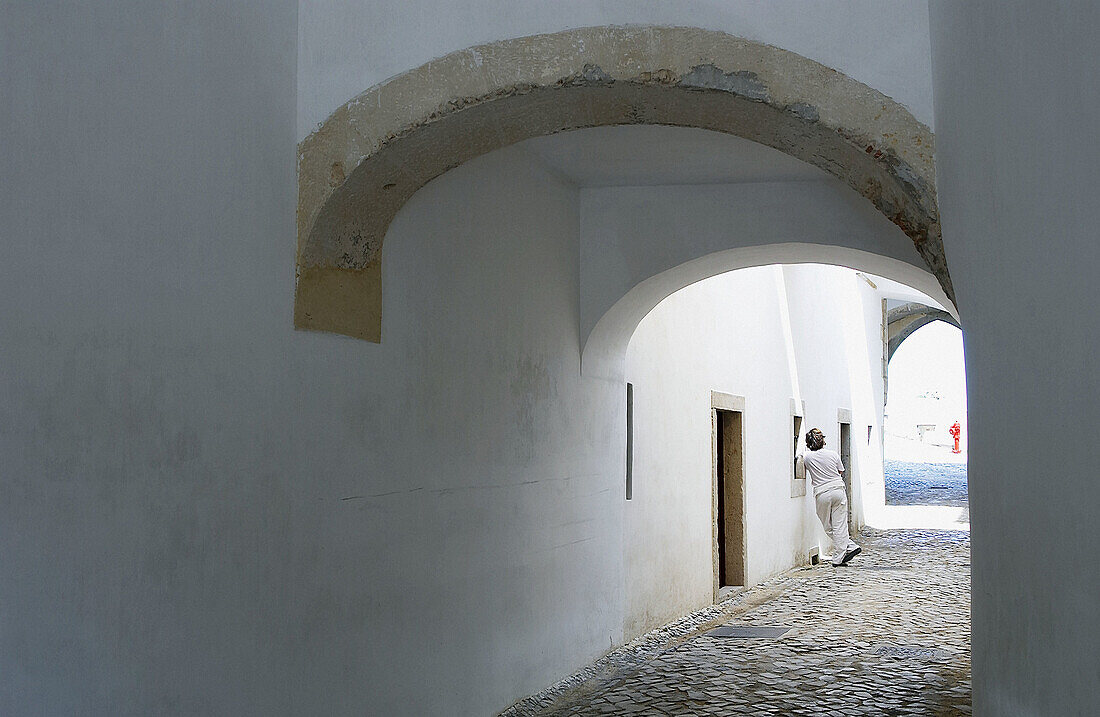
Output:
(956, 431)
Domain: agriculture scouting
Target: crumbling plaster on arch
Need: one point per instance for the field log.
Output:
(371, 155)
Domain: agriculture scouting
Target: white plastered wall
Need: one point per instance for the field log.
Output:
(727, 334)
(208, 513)
(346, 46)
(1017, 98)
(838, 317)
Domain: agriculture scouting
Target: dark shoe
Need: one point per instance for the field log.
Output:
(851, 554)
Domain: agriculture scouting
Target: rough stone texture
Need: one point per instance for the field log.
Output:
(887, 635)
(903, 320)
(371, 155)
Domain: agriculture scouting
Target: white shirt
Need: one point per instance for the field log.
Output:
(824, 469)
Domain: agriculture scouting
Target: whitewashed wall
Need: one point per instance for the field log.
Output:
(1017, 99)
(721, 334)
(206, 512)
(346, 46)
(729, 334)
(175, 460)
(151, 395)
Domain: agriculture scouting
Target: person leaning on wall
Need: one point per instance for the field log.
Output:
(826, 473)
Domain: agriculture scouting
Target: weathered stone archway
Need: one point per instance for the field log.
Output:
(371, 155)
(902, 321)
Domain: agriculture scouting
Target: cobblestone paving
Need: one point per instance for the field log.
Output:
(925, 483)
(888, 635)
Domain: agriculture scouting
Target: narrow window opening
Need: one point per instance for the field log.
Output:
(629, 441)
(794, 446)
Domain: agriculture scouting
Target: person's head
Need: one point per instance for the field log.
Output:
(815, 439)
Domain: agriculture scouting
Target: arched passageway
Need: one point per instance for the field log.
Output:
(739, 355)
(925, 465)
(608, 339)
(371, 155)
(532, 266)
(288, 503)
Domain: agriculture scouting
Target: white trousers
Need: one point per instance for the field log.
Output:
(832, 509)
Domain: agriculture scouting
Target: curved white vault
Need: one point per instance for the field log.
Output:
(605, 348)
(371, 155)
(664, 207)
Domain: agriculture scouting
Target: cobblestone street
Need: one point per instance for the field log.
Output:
(909, 483)
(887, 635)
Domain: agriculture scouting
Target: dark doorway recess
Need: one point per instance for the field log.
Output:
(730, 476)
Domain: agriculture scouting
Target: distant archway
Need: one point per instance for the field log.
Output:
(371, 155)
(606, 345)
(902, 321)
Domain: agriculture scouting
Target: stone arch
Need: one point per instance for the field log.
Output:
(372, 154)
(902, 321)
(605, 349)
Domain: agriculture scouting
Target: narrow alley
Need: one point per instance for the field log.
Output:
(887, 635)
